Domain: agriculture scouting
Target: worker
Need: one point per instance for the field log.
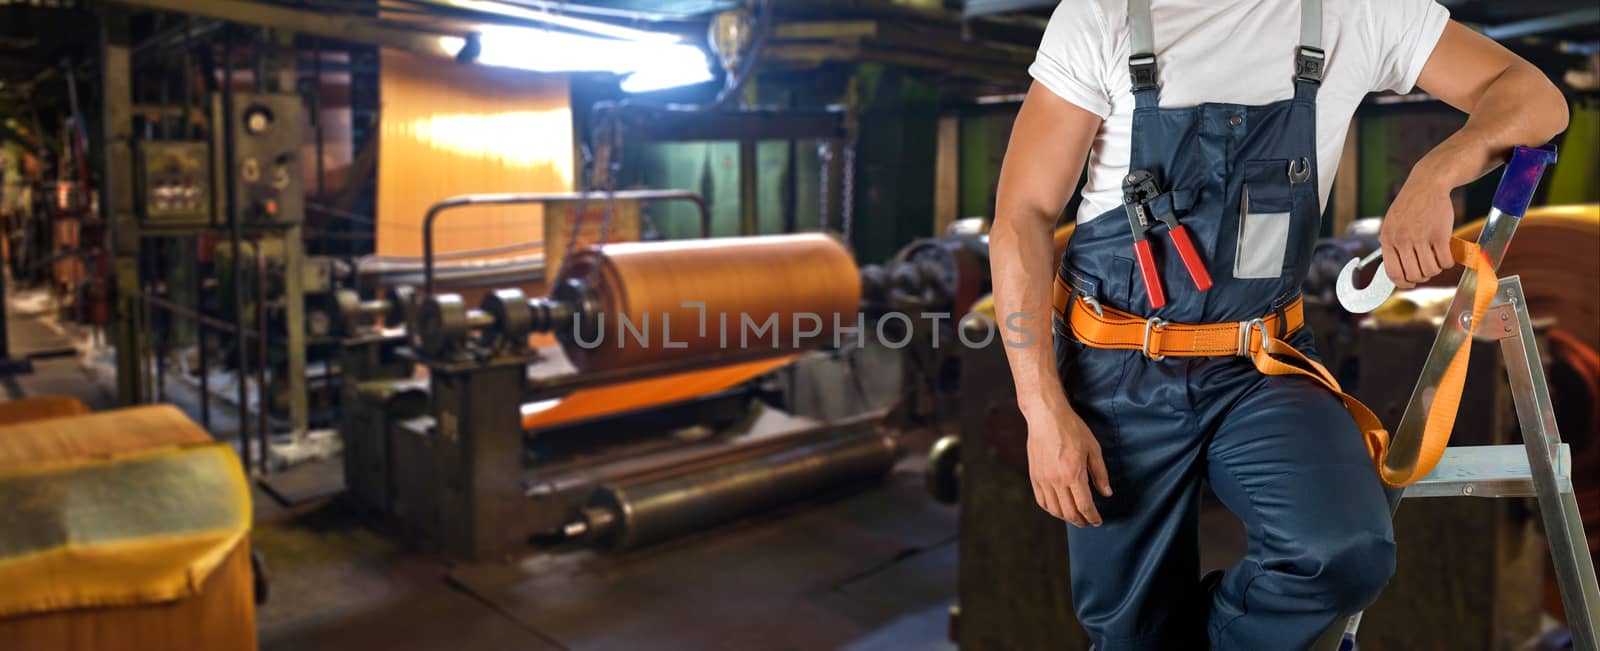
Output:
(1211, 130)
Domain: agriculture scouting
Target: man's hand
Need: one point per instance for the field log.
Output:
(1049, 145)
(1508, 101)
(1063, 458)
(1416, 231)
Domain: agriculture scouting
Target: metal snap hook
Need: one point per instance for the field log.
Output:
(1365, 299)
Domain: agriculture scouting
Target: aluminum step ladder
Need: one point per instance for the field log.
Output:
(1542, 466)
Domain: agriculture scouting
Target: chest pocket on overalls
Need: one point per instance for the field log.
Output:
(1266, 212)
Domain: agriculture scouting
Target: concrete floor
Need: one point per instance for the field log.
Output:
(870, 571)
(874, 571)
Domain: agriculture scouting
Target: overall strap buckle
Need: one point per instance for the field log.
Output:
(1309, 63)
(1142, 69)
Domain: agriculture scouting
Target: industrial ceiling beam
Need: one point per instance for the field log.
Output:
(355, 29)
(975, 8)
(756, 125)
(1543, 24)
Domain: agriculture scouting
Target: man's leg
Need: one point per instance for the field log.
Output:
(1135, 578)
(1289, 461)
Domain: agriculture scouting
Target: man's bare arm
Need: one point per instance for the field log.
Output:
(1049, 146)
(1509, 101)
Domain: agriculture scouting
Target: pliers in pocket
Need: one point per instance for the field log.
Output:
(1138, 190)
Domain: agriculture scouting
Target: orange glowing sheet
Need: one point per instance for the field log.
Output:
(450, 129)
(640, 394)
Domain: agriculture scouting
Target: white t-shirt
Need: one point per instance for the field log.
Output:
(1229, 51)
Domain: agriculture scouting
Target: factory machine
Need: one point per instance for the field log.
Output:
(644, 417)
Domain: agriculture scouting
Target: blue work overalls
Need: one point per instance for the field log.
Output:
(1281, 452)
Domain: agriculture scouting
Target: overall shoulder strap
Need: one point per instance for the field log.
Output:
(1310, 59)
(1142, 53)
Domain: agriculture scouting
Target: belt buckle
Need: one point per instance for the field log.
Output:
(1150, 325)
(1245, 328)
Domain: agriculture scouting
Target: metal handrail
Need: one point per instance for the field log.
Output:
(539, 197)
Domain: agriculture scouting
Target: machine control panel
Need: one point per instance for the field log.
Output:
(175, 184)
(265, 173)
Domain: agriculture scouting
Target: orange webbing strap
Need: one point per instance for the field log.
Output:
(1104, 327)
(1447, 397)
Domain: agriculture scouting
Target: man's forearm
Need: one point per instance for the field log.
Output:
(1020, 249)
(1049, 144)
(1520, 107)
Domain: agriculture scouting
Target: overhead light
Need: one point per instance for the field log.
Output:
(661, 78)
(569, 22)
(646, 65)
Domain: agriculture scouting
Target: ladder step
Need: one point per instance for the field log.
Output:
(1488, 471)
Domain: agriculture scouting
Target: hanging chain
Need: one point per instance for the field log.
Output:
(848, 194)
(598, 158)
(824, 184)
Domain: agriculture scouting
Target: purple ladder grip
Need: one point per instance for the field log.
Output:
(1522, 178)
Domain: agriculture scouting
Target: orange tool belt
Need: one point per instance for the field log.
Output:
(1098, 326)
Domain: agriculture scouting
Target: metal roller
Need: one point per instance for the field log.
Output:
(355, 315)
(443, 321)
(660, 287)
(654, 507)
(634, 304)
(512, 318)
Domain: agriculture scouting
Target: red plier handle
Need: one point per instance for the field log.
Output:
(1139, 189)
(1149, 272)
(1190, 255)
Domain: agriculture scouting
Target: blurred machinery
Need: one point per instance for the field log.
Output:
(229, 189)
(212, 225)
(644, 418)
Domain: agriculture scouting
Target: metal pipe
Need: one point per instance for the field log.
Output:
(262, 392)
(150, 373)
(791, 189)
(654, 507)
(567, 7)
(209, 322)
(330, 211)
(463, 254)
(537, 197)
(224, 129)
(200, 337)
(161, 358)
(341, 26)
(1543, 24)
(316, 107)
